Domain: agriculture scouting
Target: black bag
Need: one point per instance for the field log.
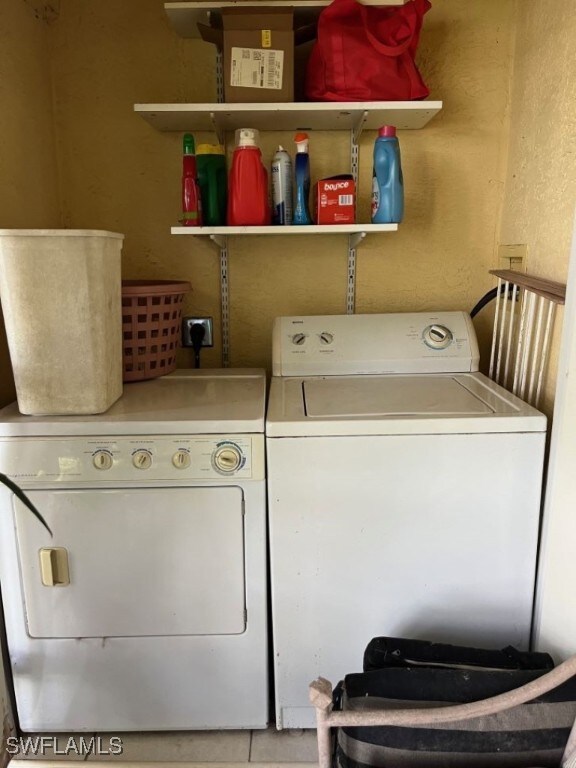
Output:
(533, 734)
(384, 652)
(405, 674)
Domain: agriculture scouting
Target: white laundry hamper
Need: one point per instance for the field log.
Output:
(61, 298)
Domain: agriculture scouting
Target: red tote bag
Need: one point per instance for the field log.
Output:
(366, 53)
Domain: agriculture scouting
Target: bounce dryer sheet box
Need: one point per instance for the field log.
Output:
(258, 53)
(336, 200)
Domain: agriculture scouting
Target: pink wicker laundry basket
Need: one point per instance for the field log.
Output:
(151, 318)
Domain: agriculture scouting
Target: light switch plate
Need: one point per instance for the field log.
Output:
(513, 256)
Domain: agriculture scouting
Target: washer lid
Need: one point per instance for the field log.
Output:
(183, 402)
(388, 405)
(390, 396)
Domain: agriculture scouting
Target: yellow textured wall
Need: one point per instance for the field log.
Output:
(118, 173)
(28, 188)
(540, 191)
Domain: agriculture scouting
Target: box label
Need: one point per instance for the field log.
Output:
(256, 68)
(336, 201)
(266, 38)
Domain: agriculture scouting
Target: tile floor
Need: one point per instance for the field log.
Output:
(268, 746)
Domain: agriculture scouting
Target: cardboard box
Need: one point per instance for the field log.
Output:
(336, 200)
(258, 53)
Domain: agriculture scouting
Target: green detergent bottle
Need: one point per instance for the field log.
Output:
(211, 165)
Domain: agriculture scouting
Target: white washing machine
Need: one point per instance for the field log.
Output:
(147, 608)
(404, 495)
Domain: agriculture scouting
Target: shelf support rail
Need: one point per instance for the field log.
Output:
(214, 118)
(222, 242)
(219, 77)
(353, 241)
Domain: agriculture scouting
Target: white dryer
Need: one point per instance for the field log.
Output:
(147, 610)
(404, 495)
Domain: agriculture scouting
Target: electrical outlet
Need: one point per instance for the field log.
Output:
(513, 256)
(188, 322)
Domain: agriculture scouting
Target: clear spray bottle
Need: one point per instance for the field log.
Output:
(281, 187)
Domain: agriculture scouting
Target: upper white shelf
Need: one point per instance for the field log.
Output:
(184, 16)
(322, 116)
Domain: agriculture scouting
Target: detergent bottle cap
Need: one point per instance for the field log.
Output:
(246, 137)
(387, 130)
(301, 140)
(188, 144)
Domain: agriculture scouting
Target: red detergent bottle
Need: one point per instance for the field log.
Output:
(248, 203)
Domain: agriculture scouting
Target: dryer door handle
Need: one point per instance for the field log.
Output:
(54, 566)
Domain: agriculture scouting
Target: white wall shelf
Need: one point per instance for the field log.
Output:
(321, 116)
(184, 16)
(353, 117)
(312, 229)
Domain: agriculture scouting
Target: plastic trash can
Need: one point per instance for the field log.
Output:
(61, 298)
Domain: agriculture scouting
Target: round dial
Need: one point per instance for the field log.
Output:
(102, 460)
(437, 336)
(326, 337)
(141, 459)
(227, 458)
(181, 459)
(298, 338)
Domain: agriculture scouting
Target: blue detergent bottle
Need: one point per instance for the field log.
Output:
(301, 213)
(387, 181)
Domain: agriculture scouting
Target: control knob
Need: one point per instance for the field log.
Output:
(142, 459)
(298, 338)
(181, 459)
(102, 460)
(437, 336)
(227, 458)
(326, 337)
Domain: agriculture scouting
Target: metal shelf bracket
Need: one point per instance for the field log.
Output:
(217, 127)
(355, 134)
(221, 241)
(359, 127)
(355, 239)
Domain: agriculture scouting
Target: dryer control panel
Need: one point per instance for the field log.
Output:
(408, 342)
(138, 459)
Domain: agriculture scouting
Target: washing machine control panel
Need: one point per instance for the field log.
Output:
(134, 459)
(343, 345)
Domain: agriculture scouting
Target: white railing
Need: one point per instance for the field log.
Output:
(523, 323)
